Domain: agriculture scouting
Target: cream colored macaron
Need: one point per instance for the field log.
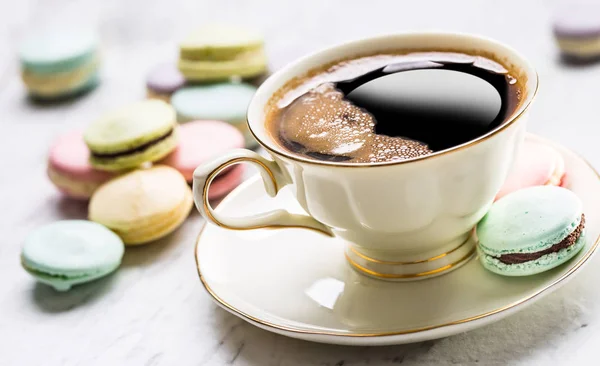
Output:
(143, 205)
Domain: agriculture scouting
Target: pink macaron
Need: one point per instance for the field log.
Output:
(69, 168)
(200, 141)
(537, 164)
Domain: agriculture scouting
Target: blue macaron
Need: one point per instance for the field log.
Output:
(226, 102)
(70, 252)
(59, 62)
(531, 231)
(222, 102)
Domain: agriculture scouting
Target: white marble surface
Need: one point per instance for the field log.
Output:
(154, 311)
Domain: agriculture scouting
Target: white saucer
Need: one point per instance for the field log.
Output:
(297, 283)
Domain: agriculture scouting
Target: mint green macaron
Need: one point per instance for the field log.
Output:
(131, 136)
(226, 102)
(531, 231)
(222, 102)
(70, 252)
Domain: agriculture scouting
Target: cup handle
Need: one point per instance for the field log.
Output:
(273, 179)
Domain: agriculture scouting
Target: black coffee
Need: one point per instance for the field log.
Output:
(393, 107)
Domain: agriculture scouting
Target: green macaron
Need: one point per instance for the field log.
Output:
(531, 231)
(70, 252)
(246, 66)
(218, 42)
(127, 138)
(221, 52)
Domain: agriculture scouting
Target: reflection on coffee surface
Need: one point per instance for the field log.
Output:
(392, 107)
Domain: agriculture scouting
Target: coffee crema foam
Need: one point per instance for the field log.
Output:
(323, 125)
(313, 118)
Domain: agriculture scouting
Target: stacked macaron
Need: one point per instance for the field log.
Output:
(111, 163)
(59, 63)
(144, 204)
(131, 136)
(216, 53)
(220, 52)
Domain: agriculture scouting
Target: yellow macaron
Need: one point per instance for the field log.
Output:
(143, 205)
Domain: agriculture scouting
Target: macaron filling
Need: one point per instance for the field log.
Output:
(571, 239)
(134, 150)
(60, 276)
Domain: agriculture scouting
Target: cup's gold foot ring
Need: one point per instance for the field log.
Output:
(412, 270)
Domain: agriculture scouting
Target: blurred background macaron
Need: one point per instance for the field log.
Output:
(531, 231)
(577, 31)
(201, 141)
(143, 205)
(59, 62)
(70, 252)
(537, 164)
(131, 136)
(220, 52)
(163, 80)
(226, 102)
(69, 168)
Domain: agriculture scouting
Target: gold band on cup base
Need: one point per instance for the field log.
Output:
(407, 271)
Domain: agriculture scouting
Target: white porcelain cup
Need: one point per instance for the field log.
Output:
(401, 219)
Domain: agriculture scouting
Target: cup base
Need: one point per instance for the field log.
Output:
(437, 265)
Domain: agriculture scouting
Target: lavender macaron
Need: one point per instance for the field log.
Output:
(164, 80)
(577, 31)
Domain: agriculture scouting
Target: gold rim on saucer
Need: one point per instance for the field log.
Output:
(411, 270)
